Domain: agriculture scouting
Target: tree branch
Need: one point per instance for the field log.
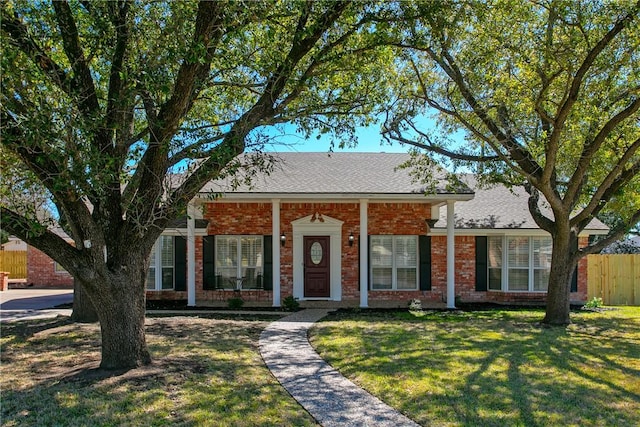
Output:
(590, 148)
(20, 38)
(576, 82)
(82, 83)
(396, 134)
(596, 205)
(614, 180)
(534, 208)
(233, 143)
(614, 235)
(45, 240)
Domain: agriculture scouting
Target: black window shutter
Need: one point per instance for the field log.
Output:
(180, 263)
(574, 277)
(424, 243)
(208, 263)
(481, 263)
(267, 275)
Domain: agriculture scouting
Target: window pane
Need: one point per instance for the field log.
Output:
(495, 251)
(540, 279)
(227, 252)
(381, 250)
(495, 279)
(518, 279)
(518, 251)
(381, 278)
(542, 248)
(166, 251)
(406, 251)
(152, 261)
(407, 278)
(228, 276)
(251, 251)
(249, 277)
(167, 277)
(151, 278)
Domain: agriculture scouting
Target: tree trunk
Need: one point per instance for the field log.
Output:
(83, 310)
(120, 305)
(563, 264)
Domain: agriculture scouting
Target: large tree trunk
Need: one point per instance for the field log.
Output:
(83, 310)
(120, 304)
(563, 263)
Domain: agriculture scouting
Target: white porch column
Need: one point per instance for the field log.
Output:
(191, 255)
(364, 258)
(275, 248)
(451, 256)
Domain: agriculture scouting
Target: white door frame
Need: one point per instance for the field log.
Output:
(330, 227)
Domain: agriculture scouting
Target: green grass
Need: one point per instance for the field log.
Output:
(492, 368)
(206, 372)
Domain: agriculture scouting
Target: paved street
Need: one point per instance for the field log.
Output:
(16, 304)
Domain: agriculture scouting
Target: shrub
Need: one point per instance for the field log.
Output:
(594, 302)
(235, 302)
(290, 303)
(415, 305)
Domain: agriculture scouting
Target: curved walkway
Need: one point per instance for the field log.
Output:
(329, 397)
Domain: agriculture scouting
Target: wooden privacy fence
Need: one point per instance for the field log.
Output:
(614, 278)
(15, 262)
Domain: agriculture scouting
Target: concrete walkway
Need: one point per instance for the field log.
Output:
(329, 397)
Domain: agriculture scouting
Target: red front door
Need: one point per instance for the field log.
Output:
(316, 267)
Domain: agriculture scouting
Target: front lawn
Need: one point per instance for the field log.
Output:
(492, 368)
(206, 372)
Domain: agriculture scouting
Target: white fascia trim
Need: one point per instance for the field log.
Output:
(505, 232)
(183, 232)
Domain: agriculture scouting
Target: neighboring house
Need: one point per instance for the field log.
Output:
(42, 271)
(14, 245)
(351, 229)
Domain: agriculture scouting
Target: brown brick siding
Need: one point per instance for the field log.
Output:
(41, 271)
(384, 218)
(349, 213)
(465, 275)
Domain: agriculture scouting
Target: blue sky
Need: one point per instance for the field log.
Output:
(369, 140)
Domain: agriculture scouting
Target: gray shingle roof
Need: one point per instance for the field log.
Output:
(498, 207)
(377, 174)
(336, 173)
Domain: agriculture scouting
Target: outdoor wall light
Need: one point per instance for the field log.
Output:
(351, 239)
(283, 239)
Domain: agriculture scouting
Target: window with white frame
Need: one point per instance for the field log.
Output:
(394, 262)
(161, 274)
(518, 263)
(239, 261)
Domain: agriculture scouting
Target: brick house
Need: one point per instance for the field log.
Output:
(42, 271)
(351, 229)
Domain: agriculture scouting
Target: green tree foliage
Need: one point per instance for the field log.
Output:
(547, 94)
(123, 110)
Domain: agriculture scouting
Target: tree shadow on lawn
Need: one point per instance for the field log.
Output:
(497, 369)
(205, 372)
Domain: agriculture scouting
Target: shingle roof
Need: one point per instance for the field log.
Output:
(378, 174)
(498, 207)
(336, 173)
